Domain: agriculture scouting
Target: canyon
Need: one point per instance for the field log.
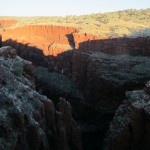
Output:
(93, 73)
(51, 39)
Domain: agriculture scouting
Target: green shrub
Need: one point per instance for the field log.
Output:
(18, 70)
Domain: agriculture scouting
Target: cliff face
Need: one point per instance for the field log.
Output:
(103, 80)
(80, 38)
(29, 120)
(53, 40)
(7, 23)
(102, 76)
(116, 46)
(50, 39)
(130, 126)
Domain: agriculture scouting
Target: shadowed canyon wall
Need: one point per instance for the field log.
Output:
(29, 120)
(131, 46)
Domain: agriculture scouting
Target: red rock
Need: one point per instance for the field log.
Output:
(7, 23)
(50, 39)
(80, 38)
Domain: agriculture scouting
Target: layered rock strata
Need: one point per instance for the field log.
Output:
(115, 46)
(52, 40)
(7, 23)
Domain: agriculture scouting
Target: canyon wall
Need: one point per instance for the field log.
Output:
(50, 39)
(29, 120)
(102, 78)
(116, 46)
(53, 40)
(129, 129)
(81, 64)
(7, 23)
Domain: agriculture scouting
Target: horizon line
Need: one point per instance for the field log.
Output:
(71, 15)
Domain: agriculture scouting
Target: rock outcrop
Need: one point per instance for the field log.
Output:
(7, 23)
(52, 40)
(29, 120)
(129, 129)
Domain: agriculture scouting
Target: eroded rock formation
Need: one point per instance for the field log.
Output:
(115, 46)
(29, 120)
(7, 23)
(101, 75)
(129, 129)
(52, 40)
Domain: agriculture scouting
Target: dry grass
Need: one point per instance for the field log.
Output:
(107, 24)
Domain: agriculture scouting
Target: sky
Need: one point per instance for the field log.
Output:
(67, 7)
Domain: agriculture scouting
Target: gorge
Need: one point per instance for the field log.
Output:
(93, 74)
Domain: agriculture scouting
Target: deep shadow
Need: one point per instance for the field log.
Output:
(119, 46)
(31, 53)
(71, 40)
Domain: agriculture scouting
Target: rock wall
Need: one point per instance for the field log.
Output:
(52, 40)
(129, 129)
(103, 79)
(7, 23)
(116, 46)
(29, 120)
(102, 76)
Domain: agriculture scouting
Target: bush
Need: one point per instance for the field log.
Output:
(18, 70)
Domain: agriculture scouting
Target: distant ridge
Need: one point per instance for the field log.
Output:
(111, 24)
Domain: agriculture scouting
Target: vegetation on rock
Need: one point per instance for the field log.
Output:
(110, 24)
